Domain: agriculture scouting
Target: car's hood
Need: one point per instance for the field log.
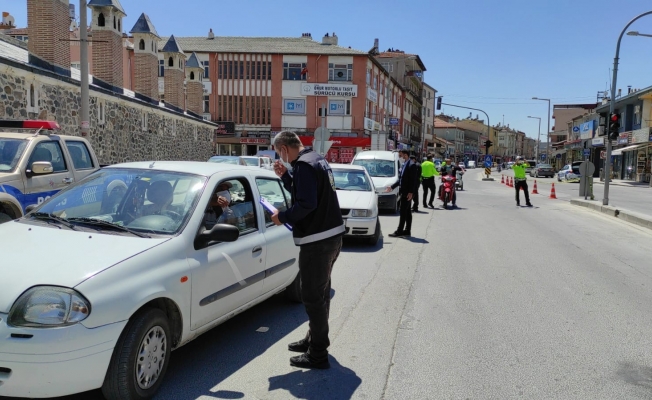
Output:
(45, 255)
(381, 182)
(352, 199)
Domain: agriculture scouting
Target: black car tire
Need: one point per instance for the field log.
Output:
(373, 239)
(120, 381)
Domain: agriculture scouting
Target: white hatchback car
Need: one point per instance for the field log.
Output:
(358, 201)
(134, 261)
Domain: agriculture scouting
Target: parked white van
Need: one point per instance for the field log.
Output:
(383, 167)
(471, 164)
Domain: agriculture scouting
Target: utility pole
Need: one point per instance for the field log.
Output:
(83, 59)
(323, 126)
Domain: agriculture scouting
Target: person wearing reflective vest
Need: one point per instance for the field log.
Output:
(428, 172)
(520, 181)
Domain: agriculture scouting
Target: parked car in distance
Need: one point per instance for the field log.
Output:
(249, 161)
(567, 173)
(461, 164)
(542, 170)
(358, 201)
(162, 272)
(530, 165)
(471, 164)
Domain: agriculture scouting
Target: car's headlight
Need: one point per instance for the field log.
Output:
(361, 213)
(49, 306)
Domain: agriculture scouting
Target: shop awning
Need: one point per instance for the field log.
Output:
(618, 152)
(562, 151)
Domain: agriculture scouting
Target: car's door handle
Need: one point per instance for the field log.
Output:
(67, 180)
(257, 249)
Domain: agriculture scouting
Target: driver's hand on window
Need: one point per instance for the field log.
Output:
(222, 201)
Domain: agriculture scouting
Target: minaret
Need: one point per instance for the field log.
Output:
(107, 40)
(194, 85)
(145, 57)
(174, 73)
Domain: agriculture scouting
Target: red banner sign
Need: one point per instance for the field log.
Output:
(340, 141)
(253, 141)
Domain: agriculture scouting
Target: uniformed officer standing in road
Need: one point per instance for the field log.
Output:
(428, 172)
(520, 181)
(317, 228)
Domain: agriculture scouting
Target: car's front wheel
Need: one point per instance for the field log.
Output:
(374, 238)
(140, 358)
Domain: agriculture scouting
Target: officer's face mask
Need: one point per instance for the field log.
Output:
(286, 160)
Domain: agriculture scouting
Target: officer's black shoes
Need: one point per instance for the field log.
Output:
(306, 361)
(396, 234)
(300, 347)
(529, 205)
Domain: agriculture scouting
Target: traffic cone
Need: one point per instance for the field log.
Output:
(534, 190)
(511, 182)
(502, 179)
(553, 195)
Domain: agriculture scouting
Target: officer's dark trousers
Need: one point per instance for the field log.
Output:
(429, 185)
(517, 186)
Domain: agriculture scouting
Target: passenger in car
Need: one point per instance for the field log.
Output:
(219, 203)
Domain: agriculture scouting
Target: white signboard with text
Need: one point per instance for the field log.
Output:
(327, 89)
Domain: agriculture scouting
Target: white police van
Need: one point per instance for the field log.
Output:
(36, 163)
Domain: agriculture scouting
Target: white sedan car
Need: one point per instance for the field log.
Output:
(103, 280)
(358, 201)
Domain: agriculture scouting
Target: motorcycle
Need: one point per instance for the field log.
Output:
(459, 182)
(447, 193)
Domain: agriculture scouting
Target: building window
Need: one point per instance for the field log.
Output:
(143, 122)
(368, 76)
(141, 45)
(389, 67)
(294, 71)
(100, 20)
(101, 112)
(207, 104)
(170, 62)
(75, 65)
(339, 107)
(119, 26)
(206, 70)
(180, 64)
(32, 96)
(161, 67)
(153, 46)
(114, 25)
(340, 72)
(192, 75)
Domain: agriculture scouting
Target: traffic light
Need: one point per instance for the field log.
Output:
(488, 143)
(614, 126)
(439, 102)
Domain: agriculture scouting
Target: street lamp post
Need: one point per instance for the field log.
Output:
(548, 134)
(536, 150)
(612, 107)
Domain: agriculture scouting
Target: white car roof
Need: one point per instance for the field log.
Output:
(191, 167)
(347, 166)
(376, 155)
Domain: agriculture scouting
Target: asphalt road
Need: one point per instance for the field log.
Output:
(634, 198)
(487, 301)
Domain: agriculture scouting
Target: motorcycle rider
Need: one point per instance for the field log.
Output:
(449, 167)
(520, 181)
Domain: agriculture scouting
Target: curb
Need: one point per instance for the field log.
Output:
(632, 217)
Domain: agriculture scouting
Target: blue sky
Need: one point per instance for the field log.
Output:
(489, 54)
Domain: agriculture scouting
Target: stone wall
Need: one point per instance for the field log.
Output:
(122, 129)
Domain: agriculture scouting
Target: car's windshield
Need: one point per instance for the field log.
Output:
(148, 201)
(10, 152)
(346, 179)
(251, 161)
(377, 168)
(224, 160)
(545, 166)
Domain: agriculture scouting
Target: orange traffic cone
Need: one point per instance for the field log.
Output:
(534, 190)
(502, 179)
(553, 195)
(511, 182)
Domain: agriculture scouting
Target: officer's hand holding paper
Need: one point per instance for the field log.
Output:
(272, 210)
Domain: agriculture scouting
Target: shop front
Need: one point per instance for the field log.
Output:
(343, 149)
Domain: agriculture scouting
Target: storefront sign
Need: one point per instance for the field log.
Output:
(587, 130)
(372, 95)
(623, 139)
(225, 128)
(393, 121)
(294, 106)
(369, 124)
(340, 141)
(597, 142)
(265, 135)
(249, 140)
(641, 135)
(326, 89)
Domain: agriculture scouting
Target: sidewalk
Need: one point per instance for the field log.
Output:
(630, 216)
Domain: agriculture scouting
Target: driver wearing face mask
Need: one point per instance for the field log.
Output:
(218, 205)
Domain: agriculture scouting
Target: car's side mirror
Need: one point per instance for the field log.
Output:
(219, 233)
(40, 168)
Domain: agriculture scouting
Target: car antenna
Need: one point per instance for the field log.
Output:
(38, 131)
(152, 164)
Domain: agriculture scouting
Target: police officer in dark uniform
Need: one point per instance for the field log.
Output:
(317, 228)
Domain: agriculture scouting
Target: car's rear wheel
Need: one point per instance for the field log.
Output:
(293, 292)
(140, 358)
(374, 238)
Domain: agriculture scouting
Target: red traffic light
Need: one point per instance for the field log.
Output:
(614, 117)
